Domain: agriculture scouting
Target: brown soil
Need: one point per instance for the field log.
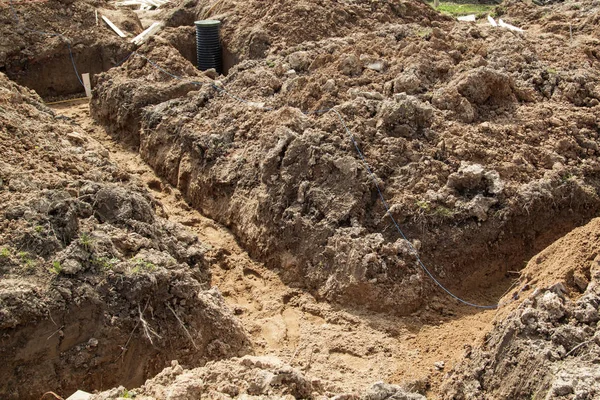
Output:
(32, 54)
(96, 289)
(336, 345)
(484, 140)
(241, 248)
(546, 344)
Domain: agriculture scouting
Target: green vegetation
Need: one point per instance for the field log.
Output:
(458, 9)
(5, 252)
(271, 63)
(568, 177)
(142, 266)
(444, 212)
(426, 209)
(423, 205)
(39, 228)
(105, 263)
(86, 241)
(424, 32)
(56, 267)
(127, 394)
(26, 259)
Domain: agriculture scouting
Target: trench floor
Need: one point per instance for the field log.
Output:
(352, 349)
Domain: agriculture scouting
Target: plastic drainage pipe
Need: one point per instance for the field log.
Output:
(208, 45)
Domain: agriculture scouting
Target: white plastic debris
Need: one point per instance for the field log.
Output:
(80, 395)
(144, 4)
(256, 104)
(467, 18)
(492, 21)
(509, 26)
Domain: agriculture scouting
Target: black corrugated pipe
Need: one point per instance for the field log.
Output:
(208, 43)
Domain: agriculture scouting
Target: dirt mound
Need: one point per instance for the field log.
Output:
(563, 18)
(255, 29)
(249, 378)
(546, 344)
(483, 140)
(36, 37)
(138, 83)
(96, 289)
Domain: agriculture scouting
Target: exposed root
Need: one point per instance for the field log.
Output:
(183, 326)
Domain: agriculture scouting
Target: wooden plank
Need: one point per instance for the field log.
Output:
(151, 30)
(87, 84)
(113, 27)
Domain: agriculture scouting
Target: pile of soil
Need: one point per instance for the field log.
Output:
(96, 289)
(34, 50)
(547, 343)
(483, 140)
(249, 378)
(563, 18)
(253, 29)
(127, 98)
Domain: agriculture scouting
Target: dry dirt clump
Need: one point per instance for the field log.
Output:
(248, 378)
(484, 142)
(33, 53)
(96, 289)
(547, 344)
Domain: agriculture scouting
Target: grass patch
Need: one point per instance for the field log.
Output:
(5, 252)
(127, 394)
(27, 261)
(105, 263)
(458, 9)
(424, 32)
(423, 205)
(444, 212)
(56, 267)
(86, 241)
(142, 266)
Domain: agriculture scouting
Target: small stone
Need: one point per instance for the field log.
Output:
(561, 388)
(376, 66)
(211, 73)
(439, 365)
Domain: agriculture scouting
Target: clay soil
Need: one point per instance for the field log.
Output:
(195, 235)
(350, 348)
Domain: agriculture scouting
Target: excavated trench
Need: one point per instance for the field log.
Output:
(289, 326)
(293, 325)
(53, 77)
(264, 284)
